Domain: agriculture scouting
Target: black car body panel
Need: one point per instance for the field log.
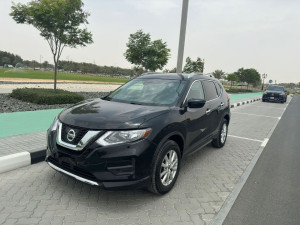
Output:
(128, 165)
(275, 94)
(103, 115)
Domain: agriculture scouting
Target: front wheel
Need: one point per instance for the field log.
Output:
(165, 168)
(220, 141)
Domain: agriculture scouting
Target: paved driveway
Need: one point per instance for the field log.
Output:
(38, 195)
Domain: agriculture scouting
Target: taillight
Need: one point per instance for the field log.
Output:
(228, 97)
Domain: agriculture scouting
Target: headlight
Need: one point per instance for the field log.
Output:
(54, 124)
(281, 94)
(118, 137)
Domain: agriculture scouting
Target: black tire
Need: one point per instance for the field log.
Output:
(219, 142)
(157, 185)
(263, 100)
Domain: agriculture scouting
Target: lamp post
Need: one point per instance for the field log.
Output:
(264, 76)
(41, 61)
(185, 4)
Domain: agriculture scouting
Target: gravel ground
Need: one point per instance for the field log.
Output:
(9, 104)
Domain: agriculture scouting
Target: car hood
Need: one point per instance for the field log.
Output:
(99, 114)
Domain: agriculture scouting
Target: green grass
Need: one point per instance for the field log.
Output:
(36, 74)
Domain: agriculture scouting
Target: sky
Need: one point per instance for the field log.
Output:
(227, 34)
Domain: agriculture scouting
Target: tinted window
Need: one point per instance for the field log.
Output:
(148, 92)
(275, 88)
(196, 91)
(218, 89)
(210, 90)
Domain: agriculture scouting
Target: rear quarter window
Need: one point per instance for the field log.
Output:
(210, 90)
(218, 88)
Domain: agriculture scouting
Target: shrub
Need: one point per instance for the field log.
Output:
(238, 90)
(43, 96)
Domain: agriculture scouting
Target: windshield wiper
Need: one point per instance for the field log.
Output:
(135, 103)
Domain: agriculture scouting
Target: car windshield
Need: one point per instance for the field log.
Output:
(148, 92)
(275, 88)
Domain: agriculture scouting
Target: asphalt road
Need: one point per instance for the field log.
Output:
(271, 195)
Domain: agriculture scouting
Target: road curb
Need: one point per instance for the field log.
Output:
(21, 159)
(234, 105)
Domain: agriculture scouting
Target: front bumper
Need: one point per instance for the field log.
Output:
(277, 98)
(120, 166)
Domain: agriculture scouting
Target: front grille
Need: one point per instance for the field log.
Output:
(275, 95)
(78, 133)
(72, 169)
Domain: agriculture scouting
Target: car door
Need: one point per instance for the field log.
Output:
(196, 118)
(212, 97)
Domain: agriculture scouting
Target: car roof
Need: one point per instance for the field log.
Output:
(177, 76)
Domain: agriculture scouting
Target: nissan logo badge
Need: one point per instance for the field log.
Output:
(71, 135)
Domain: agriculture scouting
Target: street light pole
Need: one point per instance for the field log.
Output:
(185, 4)
(264, 76)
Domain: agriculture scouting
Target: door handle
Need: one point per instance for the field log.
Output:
(208, 111)
(222, 103)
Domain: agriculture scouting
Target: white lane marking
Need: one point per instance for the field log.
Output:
(267, 107)
(14, 161)
(250, 114)
(265, 142)
(250, 139)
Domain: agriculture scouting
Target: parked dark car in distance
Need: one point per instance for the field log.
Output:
(275, 93)
(137, 135)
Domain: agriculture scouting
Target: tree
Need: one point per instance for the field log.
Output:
(170, 70)
(250, 76)
(193, 66)
(232, 77)
(45, 64)
(5, 60)
(58, 21)
(142, 52)
(218, 74)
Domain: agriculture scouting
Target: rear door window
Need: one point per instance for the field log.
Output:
(210, 90)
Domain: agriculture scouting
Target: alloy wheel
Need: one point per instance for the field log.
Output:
(224, 133)
(169, 167)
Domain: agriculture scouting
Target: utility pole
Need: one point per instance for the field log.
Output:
(41, 61)
(185, 4)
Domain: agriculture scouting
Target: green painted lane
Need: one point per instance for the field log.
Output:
(26, 122)
(35, 121)
(235, 97)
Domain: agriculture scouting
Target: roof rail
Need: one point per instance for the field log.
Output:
(201, 74)
(209, 75)
(194, 73)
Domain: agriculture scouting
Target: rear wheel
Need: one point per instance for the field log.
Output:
(165, 168)
(220, 141)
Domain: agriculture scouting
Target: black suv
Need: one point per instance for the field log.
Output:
(275, 93)
(137, 135)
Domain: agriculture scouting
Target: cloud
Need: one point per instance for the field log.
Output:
(156, 7)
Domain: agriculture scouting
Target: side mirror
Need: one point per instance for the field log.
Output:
(196, 103)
